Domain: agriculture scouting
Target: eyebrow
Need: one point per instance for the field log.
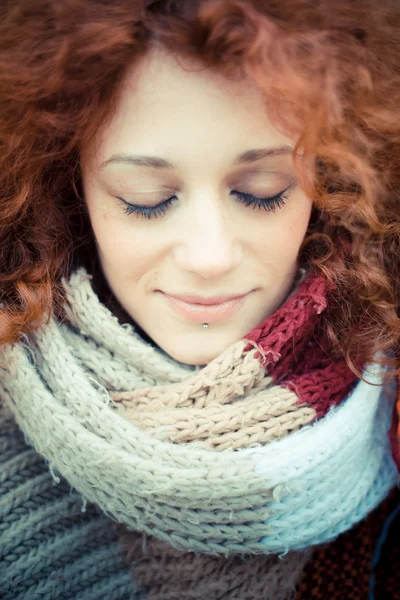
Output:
(250, 156)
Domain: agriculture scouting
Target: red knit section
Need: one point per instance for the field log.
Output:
(286, 332)
(317, 378)
(311, 354)
(295, 351)
(323, 388)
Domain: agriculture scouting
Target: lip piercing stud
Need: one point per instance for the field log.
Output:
(205, 325)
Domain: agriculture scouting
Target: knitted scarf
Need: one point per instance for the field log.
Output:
(271, 448)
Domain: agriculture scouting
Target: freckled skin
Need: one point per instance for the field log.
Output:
(207, 242)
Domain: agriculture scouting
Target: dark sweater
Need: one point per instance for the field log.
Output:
(49, 548)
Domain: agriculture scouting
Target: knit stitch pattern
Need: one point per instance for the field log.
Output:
(51, 546)
(54, 547)
(169, 574)
(258, 494)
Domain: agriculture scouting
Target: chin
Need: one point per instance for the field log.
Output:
(197, 360)
(200, 362)
(191, 352)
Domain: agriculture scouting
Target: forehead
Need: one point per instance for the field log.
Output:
(172, 108)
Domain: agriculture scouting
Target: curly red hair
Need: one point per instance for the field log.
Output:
(331, 78)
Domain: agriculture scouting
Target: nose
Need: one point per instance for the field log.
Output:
(209, 243)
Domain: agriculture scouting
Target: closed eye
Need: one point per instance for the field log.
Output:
(268, 203)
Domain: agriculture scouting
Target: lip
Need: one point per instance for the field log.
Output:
(205, 310)
(211, 301)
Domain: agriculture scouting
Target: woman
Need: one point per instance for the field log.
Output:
(199, 274)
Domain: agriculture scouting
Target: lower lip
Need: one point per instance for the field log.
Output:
(205, 314)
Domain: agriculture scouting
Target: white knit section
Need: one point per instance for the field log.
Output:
(89, 314)
(341, 465)
(96, 442)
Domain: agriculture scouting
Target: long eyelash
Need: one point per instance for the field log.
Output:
(147, 211)
(268, 204)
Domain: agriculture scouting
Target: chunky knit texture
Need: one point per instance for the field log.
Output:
(165, 573)
(271, 448)
(39, 554)
(52, 545)
(362, 564)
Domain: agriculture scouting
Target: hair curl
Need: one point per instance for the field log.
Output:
(330, 72)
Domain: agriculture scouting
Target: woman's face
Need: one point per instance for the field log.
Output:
(198, 153)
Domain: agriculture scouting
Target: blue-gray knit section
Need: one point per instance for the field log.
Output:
(49, 548)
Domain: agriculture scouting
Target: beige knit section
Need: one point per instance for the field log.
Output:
(231, 403)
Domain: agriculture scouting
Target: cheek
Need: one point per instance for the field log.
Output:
(122, 247)
(278, 241)
(295, 228)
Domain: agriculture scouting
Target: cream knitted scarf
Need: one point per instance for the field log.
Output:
(273, 446)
